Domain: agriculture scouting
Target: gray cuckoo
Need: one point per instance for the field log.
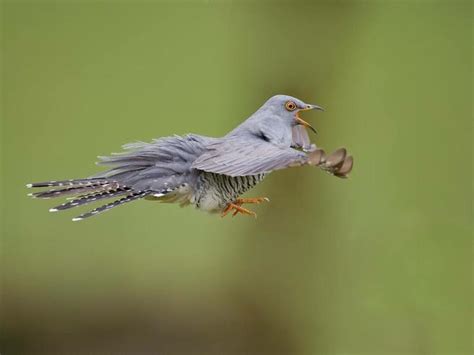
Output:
(209, 173)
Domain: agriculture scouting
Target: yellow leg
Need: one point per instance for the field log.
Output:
(237, 208)
(227, 209)
(257, 200)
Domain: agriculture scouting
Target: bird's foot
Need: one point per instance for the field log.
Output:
(236, 208)
(257, 200)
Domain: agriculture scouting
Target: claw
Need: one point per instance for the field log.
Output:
(237, 209)
(256, 200)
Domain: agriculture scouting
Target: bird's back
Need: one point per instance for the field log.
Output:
(159, 166)
(165, 167)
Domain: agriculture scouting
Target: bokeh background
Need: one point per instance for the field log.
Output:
(377, 264)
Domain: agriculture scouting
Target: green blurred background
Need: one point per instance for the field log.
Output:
(378, 264)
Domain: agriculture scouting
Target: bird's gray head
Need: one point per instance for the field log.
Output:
(288, 108)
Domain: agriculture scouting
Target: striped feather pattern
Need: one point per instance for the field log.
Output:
(90, 190)
(93, 197)
(223, 189)
(129, 198)
(73, 190)
(71, 182)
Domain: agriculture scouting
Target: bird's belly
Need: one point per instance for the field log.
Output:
(210, 202)
(217, 191)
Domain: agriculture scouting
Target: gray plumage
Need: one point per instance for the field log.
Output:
(209, 173)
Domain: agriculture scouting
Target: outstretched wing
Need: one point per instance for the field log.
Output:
(235, 157)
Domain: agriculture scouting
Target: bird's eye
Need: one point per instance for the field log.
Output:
(290, 106)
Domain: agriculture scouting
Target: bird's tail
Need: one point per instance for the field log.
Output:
(85, 191)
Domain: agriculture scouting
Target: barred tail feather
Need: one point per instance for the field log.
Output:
(129, 198)
(72, 182)
(92, 197)
(74, 190)
(87, 191)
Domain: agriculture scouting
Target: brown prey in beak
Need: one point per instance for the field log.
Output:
(303, 122)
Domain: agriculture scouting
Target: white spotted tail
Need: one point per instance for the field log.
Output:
(87, 191)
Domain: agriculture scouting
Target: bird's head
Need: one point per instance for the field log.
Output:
(288, 108)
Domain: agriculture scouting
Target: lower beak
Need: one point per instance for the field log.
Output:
(303, 122)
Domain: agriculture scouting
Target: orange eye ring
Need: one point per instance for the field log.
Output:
(290, 106)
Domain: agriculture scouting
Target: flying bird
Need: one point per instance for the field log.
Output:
(209, 173)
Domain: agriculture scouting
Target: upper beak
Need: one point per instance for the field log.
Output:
(303, 122)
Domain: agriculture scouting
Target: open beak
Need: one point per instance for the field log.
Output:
(303, 122)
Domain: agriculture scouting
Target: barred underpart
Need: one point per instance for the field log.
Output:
(216, 191)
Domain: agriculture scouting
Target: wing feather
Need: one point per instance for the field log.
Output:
(237, 157)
